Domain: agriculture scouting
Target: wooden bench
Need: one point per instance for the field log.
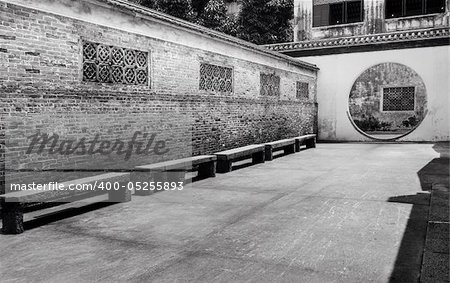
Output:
(173, 171)
(288, 145)
(308, 140)
(227, 157)
(13, 202)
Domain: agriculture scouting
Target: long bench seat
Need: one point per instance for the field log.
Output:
(13, 202)
(308, 140)
(288, 145)
(227, 157)
(173, 171)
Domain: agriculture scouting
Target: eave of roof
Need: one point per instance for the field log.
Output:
(369, 42)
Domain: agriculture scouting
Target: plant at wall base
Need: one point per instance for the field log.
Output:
(372, 124)
(411, 122)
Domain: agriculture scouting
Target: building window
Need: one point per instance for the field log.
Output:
(405, 8)
(398, 98)
(270, 85)
(111, 64)
(216, 78)
(331, 12)
(302, 90)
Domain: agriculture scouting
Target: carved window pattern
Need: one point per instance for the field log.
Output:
(270, 85)
(111, 64)
(302, 90)
(399, 98)
(216, 78)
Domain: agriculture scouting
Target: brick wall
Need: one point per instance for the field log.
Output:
(42, 91)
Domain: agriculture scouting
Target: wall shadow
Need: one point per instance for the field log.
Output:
(408, 263)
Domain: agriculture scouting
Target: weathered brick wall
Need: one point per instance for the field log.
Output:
(42, 91)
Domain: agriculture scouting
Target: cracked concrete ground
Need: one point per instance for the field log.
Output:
(337, 213)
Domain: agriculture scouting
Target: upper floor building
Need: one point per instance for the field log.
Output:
(321, 19)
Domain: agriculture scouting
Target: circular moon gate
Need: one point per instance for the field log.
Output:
(387, 101)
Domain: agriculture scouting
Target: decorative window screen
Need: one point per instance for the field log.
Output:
(216, 78)
(302, 90)
(270, 85)
(399, 98)
(111, 64)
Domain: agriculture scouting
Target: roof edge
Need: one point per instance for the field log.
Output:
(362, 40)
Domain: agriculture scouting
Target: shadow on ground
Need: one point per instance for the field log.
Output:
(63, 214)
(411, 252)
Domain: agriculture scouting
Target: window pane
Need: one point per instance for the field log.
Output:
(435, 6)
(354, 12)
(336, 13)
(270, 85)
(398, 98)
(413, 7)
(320, 15)
(302, 90)
(393, 8)
(111, 64)
(216, 78)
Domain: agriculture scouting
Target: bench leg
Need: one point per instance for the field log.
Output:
(223, 166)
(311, 143)
(258, 157)
(172, 176)
(297, 145)
(289, 149)
(206, 170)
(140, 177)
(269, 154)
(148, 181)
(121, 195)
(12, 217)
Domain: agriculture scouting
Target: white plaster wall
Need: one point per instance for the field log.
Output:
(338, 73)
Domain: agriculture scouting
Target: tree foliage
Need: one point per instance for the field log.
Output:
(260, 21)
(178, 8)
(214, 15)
(266, 21)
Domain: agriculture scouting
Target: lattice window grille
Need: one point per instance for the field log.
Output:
(302, 90)
(216, 78)
(111, 64)
(270, 85)
(398, 98)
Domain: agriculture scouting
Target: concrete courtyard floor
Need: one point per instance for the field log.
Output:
(338, 213)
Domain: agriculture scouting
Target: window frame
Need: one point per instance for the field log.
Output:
(382, 88)
(403, 11)
(297, 88)
(278, 92)
(344, 14)
(218, 65)
(81, 62)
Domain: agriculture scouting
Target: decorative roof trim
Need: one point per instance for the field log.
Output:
(364, 40)
(140, 11)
